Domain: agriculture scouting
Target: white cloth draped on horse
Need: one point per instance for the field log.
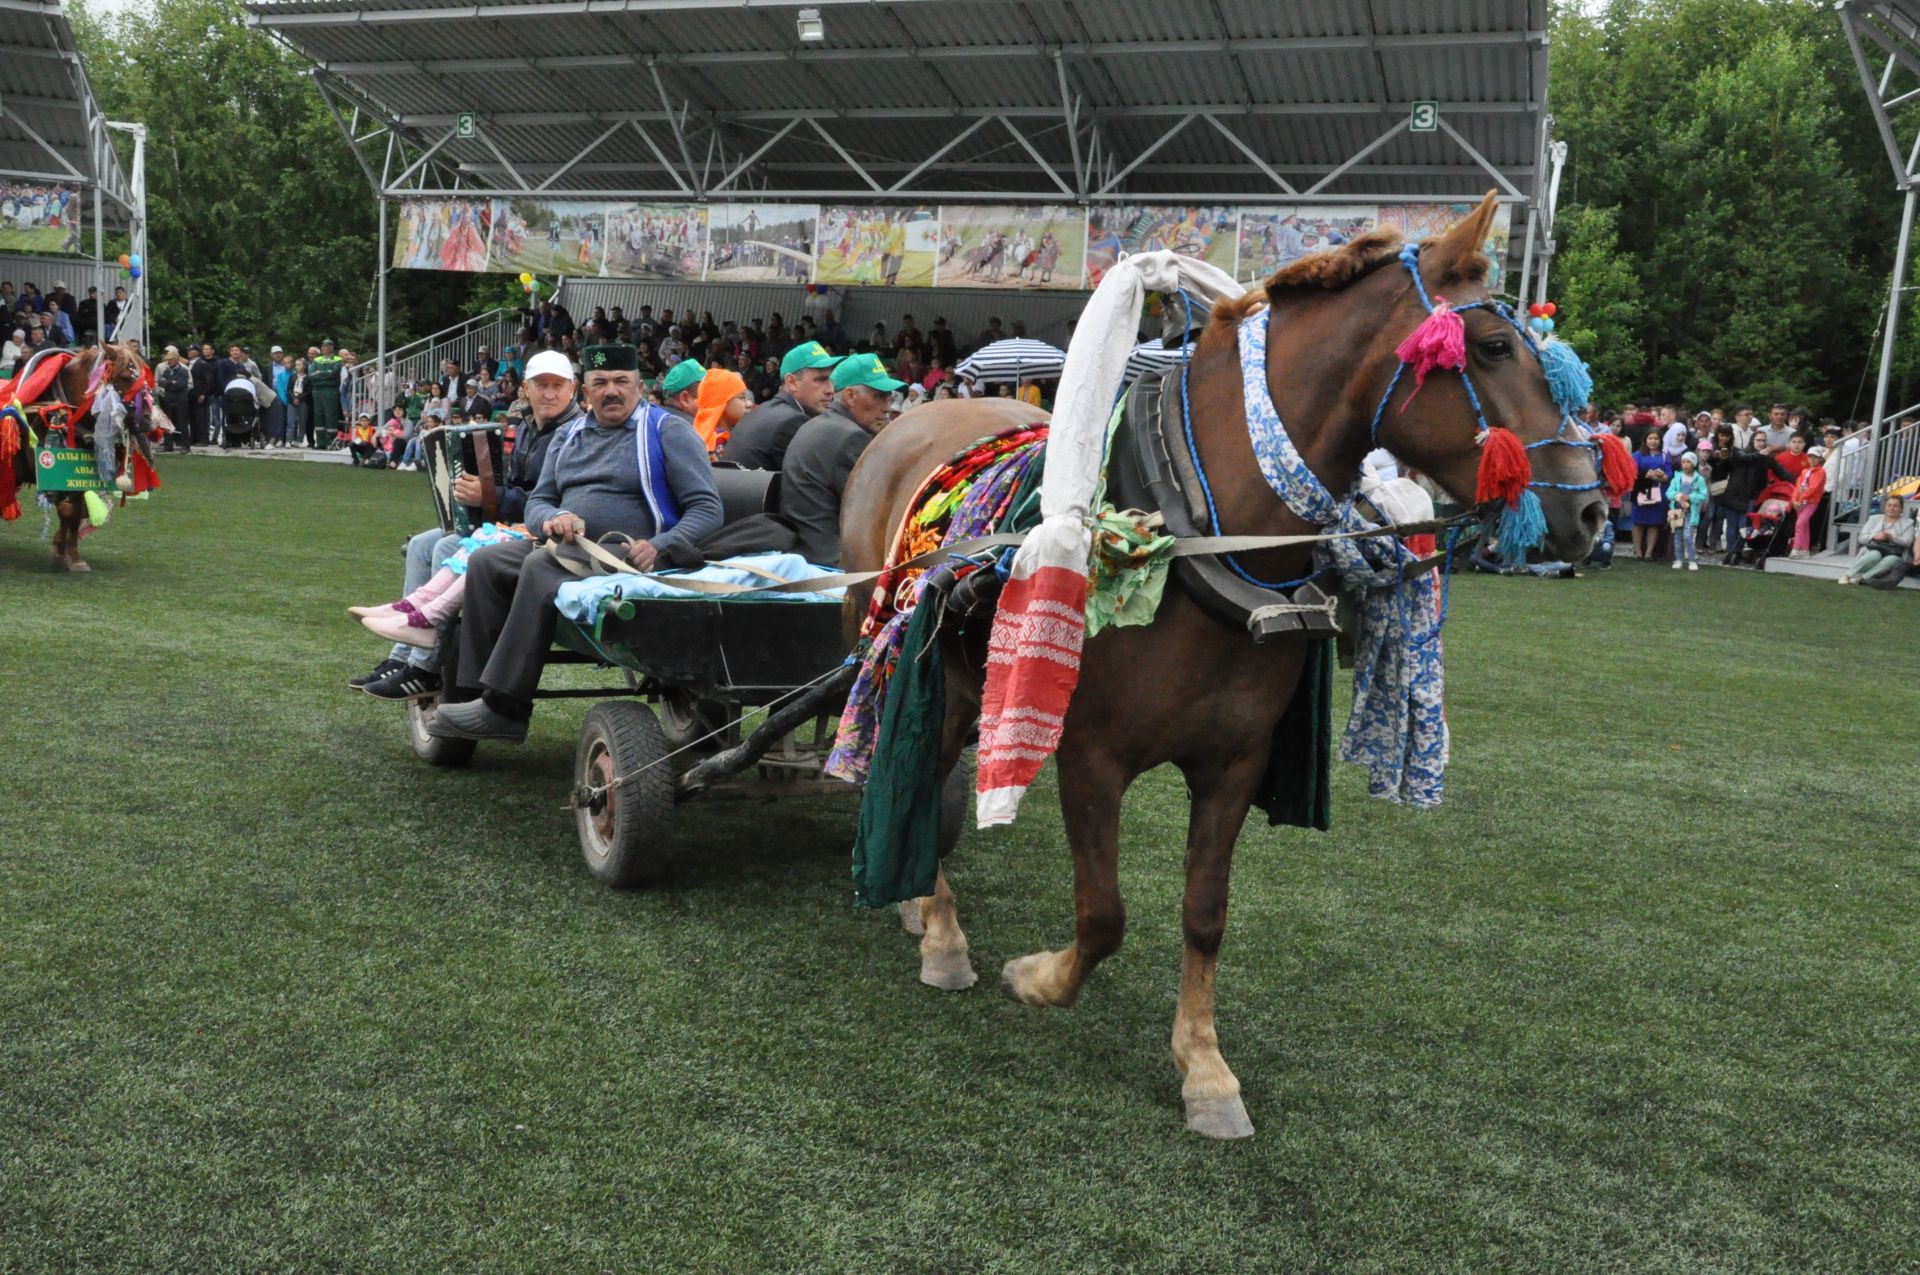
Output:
(1033, 659)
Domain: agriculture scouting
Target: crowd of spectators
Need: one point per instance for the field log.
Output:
(35, 320)
(1741, 490)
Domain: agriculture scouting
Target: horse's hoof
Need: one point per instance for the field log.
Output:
(1222, 1118)
(910, 918)
(948, 971)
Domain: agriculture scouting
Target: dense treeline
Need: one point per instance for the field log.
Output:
(1728, 211)
(261, 223)
(1727, 215)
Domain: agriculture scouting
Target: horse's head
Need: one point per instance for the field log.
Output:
(1436, 432)
(1354, 305)
(124, 364)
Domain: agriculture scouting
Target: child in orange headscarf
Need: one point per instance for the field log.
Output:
(724, 399)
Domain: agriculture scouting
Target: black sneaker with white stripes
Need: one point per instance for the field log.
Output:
(408, 683)
(385, 668)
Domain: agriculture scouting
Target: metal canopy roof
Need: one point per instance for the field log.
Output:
(51, 128)
(1288, 101)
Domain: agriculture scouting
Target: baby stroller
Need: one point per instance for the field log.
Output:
(242, 419)
(1766, 523)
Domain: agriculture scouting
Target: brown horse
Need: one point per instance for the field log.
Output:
(70, 506)
(1187, 689)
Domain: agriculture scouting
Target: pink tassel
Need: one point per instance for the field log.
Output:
(1439, 341)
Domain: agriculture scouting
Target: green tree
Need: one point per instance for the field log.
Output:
(261, 224)
(1598, 306)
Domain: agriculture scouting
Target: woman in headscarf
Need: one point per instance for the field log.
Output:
(724, 399)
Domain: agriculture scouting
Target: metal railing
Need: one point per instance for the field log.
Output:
(372, 386)
(1853, 492)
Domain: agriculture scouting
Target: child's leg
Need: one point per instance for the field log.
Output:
(1803, 527)
(447, 604)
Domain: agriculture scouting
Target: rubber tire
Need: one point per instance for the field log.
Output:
(684, 717)
(627, 843)
(431, 749)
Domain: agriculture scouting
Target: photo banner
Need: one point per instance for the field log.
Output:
(877, 247)
(1272, 237)
(655, 241)
(443, 234)
(1009, 247)
(41, 219)
(761, 243)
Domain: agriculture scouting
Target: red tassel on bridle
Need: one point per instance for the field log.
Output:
(1616, 464)
(1505, 471)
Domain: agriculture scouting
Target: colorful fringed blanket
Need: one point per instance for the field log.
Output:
(970, 496)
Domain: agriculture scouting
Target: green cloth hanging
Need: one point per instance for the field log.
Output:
(896, 853)
(1297, 789)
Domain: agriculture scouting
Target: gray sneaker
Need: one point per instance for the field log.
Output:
(475, 720)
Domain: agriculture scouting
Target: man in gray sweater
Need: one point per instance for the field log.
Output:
(627, 468)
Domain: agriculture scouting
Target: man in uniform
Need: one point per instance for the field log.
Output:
(323, 389)
(628, 467)
(681, 388)
(761, 439)
(815, 471)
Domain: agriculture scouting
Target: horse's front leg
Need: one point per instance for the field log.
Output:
(1209, 1088)
(71, 510)
(1091, 787)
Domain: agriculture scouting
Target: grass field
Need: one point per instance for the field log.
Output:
(273, 996)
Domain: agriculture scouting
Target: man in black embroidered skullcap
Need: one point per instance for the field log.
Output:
(627, 467)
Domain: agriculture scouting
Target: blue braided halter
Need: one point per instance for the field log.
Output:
(1410, 258)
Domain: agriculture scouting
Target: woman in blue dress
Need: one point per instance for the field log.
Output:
(1653, 471)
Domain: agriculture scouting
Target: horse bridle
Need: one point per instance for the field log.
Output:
(1410, 258)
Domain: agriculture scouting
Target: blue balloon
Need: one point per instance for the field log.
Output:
(134, 260)
(134, 270)
(1546, 325)
(1538, 323)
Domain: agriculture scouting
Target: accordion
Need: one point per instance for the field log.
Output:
(449, 451)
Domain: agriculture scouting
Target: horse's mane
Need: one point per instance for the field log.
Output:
(1325, 271)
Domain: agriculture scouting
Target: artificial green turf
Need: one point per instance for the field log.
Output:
(274, 996)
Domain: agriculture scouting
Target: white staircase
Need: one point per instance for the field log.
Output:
(372, 386)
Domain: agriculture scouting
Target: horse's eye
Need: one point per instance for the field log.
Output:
(1497, 347)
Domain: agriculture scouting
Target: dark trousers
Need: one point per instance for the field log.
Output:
(202, 422)
(509, 617)
(180, 412)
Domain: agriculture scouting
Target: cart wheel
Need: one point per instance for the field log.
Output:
(627, 831)
(428, 748)
(956, 796)
(685, 717)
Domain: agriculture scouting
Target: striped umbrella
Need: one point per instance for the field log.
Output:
(1150, 358)
(1014, 359)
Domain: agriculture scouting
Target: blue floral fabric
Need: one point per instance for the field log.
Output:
(1398, 727)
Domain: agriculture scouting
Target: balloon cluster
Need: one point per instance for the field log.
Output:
(130, 262)
(529, 284)
(814, 290)
(1540, 316)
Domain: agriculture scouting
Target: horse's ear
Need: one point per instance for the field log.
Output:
(1457, 256)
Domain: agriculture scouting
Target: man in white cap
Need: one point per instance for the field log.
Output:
(412, 672)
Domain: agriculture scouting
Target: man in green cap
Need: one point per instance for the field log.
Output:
(761, 439)
(823, 453)
(681, 388)
(323, 388)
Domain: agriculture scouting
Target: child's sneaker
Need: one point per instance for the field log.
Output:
(408, 683)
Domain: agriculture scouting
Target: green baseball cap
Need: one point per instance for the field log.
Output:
(867, 370)
(809, 354)
(685, 375)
